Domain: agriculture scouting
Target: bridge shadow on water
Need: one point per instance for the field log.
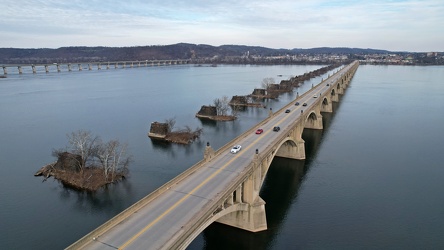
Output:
(279, 191)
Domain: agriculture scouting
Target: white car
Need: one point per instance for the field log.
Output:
(315, 96)
(236, 149)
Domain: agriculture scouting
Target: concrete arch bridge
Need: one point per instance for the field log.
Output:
(223, 187)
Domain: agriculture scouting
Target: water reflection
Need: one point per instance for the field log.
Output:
(110, 196)
(170, 148)
(207, 122)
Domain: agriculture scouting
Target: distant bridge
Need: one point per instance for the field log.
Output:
(79, 66)
(223, 187)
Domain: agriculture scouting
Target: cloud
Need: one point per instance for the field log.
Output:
(394, 25)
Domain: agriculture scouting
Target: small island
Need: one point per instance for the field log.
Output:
(163, 131)
(90, 165)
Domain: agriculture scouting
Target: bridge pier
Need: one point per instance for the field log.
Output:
(89, 66)
(34, 71)
(46, 68)
(252, 217)
(58, 68)
(340, 90)
(69, 67)
(5, 71)
(99, 66)
(326, 106)
(80, 66)
(334, 96)
(20, 69)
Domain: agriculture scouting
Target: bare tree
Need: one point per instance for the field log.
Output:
(224, 105)
(218, 104)
(267, 82)
(171, 122)
(113, 158)
(235, 110)
(83, 144)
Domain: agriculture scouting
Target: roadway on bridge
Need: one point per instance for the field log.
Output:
(162, 219)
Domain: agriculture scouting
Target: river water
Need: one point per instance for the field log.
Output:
(373, 178)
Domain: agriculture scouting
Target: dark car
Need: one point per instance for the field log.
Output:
(276, 129)
(305, 104)
(287, 111)
(297, 104)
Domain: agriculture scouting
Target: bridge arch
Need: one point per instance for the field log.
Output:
(326, 105)
(313, 120)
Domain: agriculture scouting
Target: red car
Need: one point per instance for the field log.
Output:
(259, 131)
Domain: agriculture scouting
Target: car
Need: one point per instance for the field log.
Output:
(297, 104)
(276, 129)
(315, 96)
(236, 149)
(328, 84)
(259, 131)
(305, 104)
(287, 111)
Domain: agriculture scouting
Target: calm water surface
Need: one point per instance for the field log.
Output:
(372, 178)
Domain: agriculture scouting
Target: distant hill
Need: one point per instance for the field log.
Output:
(159, 52)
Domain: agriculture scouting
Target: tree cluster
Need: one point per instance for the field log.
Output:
(182, 136)
(90, 152)
(223, 107)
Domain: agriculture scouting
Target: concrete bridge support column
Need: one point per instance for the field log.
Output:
(340, 90)
(58, 67)
(20, 69)
(326, 106)
(343, 83)
(34, 71)
(80, 67)
(89, 66)
(238, 195)
(46, 69)
(334, 97)
(107, 66)
(253, 218)
(116, 65)
(132, 64)
(99, 66)
(69, 67)
(124, 65)
(229, 201)
(5, 71)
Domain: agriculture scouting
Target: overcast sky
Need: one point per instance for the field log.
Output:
(397, 25)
